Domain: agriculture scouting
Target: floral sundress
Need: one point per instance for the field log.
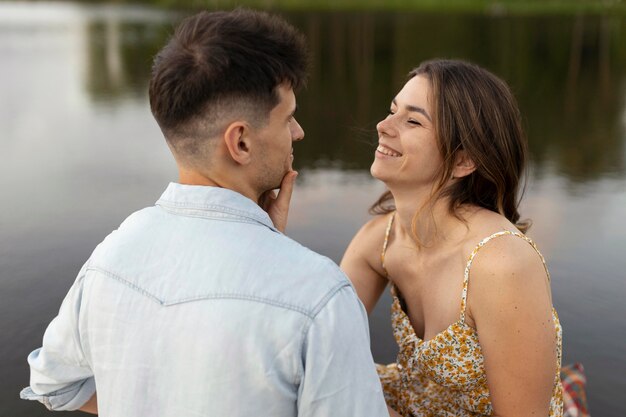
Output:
(445, 376)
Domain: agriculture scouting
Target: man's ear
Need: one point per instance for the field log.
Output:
(237, 140)
(463, 165)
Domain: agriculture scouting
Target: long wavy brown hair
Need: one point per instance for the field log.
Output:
(474, 111)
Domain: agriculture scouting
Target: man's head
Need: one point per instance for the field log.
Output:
(222, 76)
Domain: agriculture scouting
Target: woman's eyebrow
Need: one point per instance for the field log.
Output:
(413, 108)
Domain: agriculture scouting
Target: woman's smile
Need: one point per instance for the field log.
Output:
(384, 150)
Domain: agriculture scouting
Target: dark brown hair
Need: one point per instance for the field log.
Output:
(234, 59)
(475, 111)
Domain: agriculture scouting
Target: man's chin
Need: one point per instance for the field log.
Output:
(275, 187)
(273, 183)
(288, 170)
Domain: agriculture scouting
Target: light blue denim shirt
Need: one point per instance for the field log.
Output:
(200, 307)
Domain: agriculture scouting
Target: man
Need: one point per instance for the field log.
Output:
(200, 306)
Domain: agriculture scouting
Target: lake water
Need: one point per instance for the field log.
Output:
(79, 151)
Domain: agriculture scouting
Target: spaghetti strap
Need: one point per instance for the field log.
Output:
(387, 232)
(475, 251)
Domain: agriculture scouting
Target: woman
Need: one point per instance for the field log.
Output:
(472, 310)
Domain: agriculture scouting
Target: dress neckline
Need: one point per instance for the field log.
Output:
(395, 292)
(406, 322)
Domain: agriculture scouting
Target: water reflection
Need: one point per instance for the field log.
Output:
(567, 74)
(120, 54)
(80, 151)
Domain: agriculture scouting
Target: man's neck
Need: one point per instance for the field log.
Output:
(192, 177)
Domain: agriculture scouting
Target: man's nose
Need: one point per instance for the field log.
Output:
(297, 133)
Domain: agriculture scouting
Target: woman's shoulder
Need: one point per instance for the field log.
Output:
(504, 262)
(370, 239)
(506, 250)
(375, 230)
(497, 247)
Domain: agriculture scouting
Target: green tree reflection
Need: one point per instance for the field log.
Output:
(567, 72)
(120, 56)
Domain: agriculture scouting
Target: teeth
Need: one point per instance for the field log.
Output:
(387, 151)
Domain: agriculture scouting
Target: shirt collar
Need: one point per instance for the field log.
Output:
(207, 198)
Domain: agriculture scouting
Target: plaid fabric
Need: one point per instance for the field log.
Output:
(574, 397)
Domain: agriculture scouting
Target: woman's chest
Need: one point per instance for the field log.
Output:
(430, 289)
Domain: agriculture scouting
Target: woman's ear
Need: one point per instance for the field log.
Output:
(237, 140)
(463, 165)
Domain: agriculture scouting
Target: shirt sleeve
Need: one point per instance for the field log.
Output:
(340, 378)
(60, 376)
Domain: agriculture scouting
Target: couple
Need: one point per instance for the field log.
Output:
(201, 306)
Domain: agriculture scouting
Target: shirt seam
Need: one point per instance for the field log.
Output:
(239, 219)
(305, 329)
(211, 207)
(207, 216)
(214, 296)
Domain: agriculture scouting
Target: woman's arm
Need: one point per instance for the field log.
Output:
(361, 262)
(510, 304)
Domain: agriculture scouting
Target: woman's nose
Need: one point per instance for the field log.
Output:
(385, 126)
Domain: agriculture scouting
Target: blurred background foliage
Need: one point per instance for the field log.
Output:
(566, 71)
(77, 129)
(497, 7)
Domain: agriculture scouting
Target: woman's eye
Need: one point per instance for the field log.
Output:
(414, 122)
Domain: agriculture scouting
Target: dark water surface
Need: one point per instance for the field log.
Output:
(79, 151)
